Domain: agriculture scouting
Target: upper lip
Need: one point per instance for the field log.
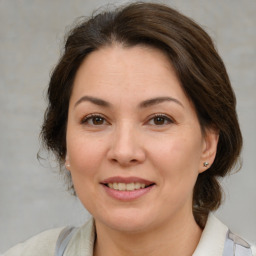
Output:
(126, 180)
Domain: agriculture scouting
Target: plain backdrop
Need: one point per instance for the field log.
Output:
(32, 195)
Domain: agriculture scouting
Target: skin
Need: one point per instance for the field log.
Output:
(127, 140)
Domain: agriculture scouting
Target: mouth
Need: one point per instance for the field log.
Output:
(127, 186)
(126, 189)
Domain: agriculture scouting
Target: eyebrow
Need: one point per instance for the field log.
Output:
(143, 104)
(158, 100)
(93, 100)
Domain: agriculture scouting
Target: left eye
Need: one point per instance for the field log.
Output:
(160, 120)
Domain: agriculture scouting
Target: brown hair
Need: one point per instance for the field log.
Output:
(198, 66)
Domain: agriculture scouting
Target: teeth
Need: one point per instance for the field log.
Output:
(126, 187)
(130, 186)
(121, 186)
(115, 186)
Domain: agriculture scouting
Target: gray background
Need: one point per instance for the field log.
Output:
(32, 195)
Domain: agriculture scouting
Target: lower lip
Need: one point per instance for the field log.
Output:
(127, 195)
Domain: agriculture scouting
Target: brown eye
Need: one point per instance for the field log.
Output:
(94, 120)
(160, 120)
(97, 120)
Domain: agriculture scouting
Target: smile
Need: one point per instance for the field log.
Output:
(126, 187)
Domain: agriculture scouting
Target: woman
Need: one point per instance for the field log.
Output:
(136, 117)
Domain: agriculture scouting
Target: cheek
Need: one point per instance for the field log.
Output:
(177, 159)
(177, 165)
(85, 154)
(177, 151)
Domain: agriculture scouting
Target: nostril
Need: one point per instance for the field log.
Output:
(124, 162)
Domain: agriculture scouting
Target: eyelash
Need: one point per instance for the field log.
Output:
(165, 118)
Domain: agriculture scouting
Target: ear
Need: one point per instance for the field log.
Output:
(209, 150)
(67, 163)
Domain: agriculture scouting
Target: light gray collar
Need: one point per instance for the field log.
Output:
(211, 242)
(213, 238)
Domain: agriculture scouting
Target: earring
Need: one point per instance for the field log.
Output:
(67, 166)
(206, 164)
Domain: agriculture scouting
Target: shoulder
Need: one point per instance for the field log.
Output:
(239, 245)
(217, 239)
(254, 250)
(42, 244)
(82, 240)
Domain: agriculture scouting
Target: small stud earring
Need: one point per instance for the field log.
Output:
(67, 165)
(206, 164)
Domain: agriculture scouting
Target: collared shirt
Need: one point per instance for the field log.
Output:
(216, 240)
(81, 242)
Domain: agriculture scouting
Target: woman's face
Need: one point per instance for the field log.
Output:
(134, 143)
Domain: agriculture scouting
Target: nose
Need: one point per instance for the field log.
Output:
(126, 146)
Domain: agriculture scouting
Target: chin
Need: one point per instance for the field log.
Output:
(131, 226)
(127, 221)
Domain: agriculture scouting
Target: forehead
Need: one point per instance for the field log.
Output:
(138, 71)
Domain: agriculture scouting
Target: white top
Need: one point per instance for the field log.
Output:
(212, 242)
(213, 238)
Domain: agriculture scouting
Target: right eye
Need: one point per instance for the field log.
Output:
(94, 120)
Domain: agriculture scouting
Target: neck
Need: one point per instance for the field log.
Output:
(174, 238)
